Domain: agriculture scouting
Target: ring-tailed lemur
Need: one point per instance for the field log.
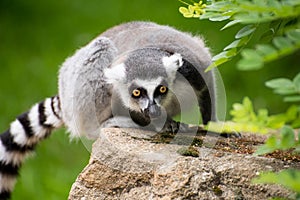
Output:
(137, 74)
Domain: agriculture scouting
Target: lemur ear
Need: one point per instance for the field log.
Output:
(172, 64)
(115, 74)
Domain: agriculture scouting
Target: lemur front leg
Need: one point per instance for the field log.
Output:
(172, 126)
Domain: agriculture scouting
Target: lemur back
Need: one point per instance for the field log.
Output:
(103, 84)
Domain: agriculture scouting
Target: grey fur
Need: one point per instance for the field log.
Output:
(96, 86)
(89, 99)
(145, 64)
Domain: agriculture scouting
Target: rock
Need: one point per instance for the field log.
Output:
(125, 164)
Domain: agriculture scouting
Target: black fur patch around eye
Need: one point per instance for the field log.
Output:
(136, 87)
(157, 92)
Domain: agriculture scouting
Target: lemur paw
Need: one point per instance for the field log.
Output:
(204, 132)
(233, 134)
(172, 126)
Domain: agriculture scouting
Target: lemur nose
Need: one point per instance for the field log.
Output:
(154, 111)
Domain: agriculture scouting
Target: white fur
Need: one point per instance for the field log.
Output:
(119, 121)
(51, 118)
(18, 132)
(172, 63)
(56, 105)
(115, 73)
(4, 156)
(144, 104)
(38, 130)
(174, 60)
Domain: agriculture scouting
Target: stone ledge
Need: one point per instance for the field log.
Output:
(124, 164)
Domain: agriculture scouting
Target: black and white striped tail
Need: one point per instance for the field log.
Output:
(22, 137)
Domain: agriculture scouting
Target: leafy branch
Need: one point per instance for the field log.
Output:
(283, 33)
(246, 119)
(288, 178)
(286, 87)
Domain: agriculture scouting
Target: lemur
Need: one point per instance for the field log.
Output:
(137, 74)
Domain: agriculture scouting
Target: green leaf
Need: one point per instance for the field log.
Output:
(280, 83)
(294, 35)
(292, 98)
(287, 138)
(251, 60)
(291, 113)
(265, 177)
(221, 58)
(247, 64)
(243, 112)
(249, 17)
(208, 15)
(237, 43)
(267, 51)
(234, 44)
(276, 121)
(262, 116)
(231, 53)
(251, 54)
(216, 63)
(284, 142)
(282, 43)
(267, 36)
(285, 91)
(247, 30)
(261, 150)
(288, 178)
(220, 6)
(296, 82)
(272, 142)
(218, 18)
(220, 61)
(223, 54)
(230, 24)
(296, 124)
(270, 146)
(260, 3)
(274, 4)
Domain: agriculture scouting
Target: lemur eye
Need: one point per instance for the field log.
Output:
(136, 93)
(163, 89)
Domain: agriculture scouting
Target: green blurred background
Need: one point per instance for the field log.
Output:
(36, 37)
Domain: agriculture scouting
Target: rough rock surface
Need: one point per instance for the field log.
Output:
(125, 165)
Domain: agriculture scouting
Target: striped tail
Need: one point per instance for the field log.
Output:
(22, 137)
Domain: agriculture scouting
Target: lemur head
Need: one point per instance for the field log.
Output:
(143, 79)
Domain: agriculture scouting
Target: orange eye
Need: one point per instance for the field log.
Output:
(136, 93)
(163, 89)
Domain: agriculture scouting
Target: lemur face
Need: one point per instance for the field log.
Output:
(146, 96)
(144, 79)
